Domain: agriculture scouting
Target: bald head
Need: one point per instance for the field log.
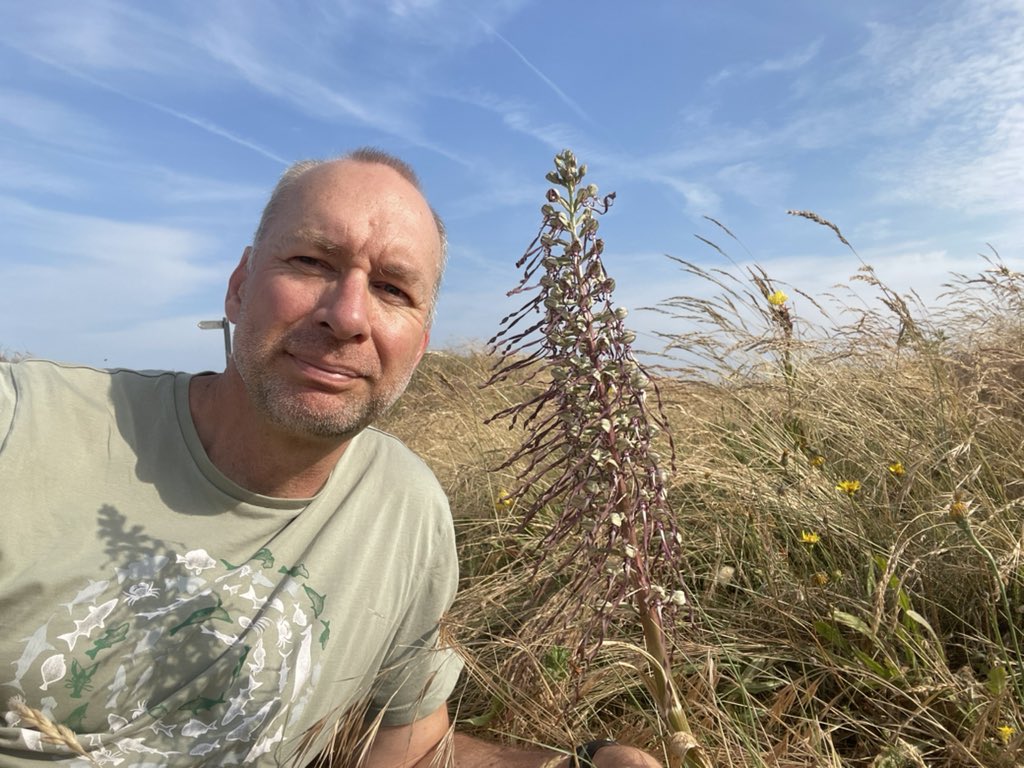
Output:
(293, 176)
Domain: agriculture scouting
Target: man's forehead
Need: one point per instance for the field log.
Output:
(343, 189)
(357, 177)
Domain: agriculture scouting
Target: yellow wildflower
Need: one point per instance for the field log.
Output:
(504, 500)
(777, 299)
(821, 578)
(849, 487)
(809, 537)
(1006, 733)
(817, 461)
(897, 468)
(959, 510)
(960, 507)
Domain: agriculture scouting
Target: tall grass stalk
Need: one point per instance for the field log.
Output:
(959, 512)
(588, 452)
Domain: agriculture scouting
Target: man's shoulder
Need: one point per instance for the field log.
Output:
(50, 384)
(386, 454)
(376, 439)
(383, 437)
(41, 370)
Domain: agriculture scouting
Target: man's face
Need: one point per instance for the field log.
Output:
(332, 313)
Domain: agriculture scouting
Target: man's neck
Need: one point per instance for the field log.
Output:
(249, 450)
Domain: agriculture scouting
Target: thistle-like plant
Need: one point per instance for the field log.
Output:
(588, 453)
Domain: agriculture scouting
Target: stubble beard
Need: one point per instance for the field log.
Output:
(274, 397)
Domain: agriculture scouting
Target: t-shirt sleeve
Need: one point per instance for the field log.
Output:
(421, 668)
(8, 401)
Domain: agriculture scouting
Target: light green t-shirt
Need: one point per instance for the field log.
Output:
(170, 617)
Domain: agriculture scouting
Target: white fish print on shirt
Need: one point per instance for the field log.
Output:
(302, 662)
(117, 687)
(224, 638)
(37, 646)
(203, 749)
(144, 568)
(238, 702)
(196, 561)
(143, 678)
(174, 606)
(85, 627)
(148, 641)
(194, 728)
(257, 601)
(53, 670)
(139, 747)
(258, 658)
(264, 745)
(249, 725)
(87, 595)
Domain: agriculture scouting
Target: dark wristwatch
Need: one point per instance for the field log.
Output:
(585, 752)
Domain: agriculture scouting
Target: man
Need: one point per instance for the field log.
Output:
(212, 569)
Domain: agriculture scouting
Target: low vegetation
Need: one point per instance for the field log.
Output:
(849, 492)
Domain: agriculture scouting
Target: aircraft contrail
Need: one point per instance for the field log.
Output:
(199, 122)
(547, 80)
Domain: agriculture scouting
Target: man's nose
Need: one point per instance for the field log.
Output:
(344, 307)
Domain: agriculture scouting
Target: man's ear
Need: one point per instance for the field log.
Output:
(236, 286)
(423, 346)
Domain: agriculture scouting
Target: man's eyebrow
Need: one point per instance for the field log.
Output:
(397, 269)
(320, 241)
(403, 273)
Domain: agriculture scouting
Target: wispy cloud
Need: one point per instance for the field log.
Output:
(199, 122)
(528, 120)
(100, 36)
(18, 174)
(388, 111)
(932, 111)
(792, 61)
(75, 256)
(955, 89)
(536, 70)
(174, 187)
(211, 128)
(789, 62)
(698, 199)
(758, 183)
(404, 8)
(40, 119)
(237, 48)
(91, 278)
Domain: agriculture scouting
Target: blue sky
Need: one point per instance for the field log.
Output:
(138, 141)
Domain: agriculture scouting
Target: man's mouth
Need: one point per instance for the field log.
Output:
(326, 372)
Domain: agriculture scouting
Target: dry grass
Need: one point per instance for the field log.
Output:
(860, 628)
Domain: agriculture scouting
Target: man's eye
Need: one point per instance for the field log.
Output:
(392, 290)
(308, 261)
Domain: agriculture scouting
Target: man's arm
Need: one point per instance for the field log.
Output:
(414, 745)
